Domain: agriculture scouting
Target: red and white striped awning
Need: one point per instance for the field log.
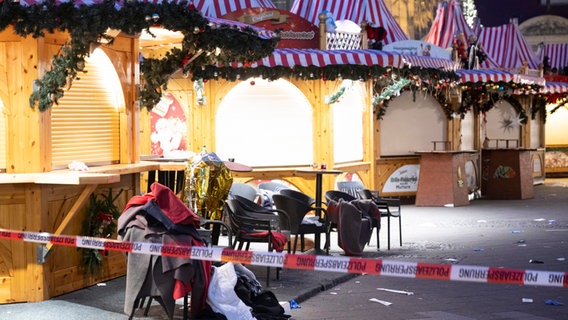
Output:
(507, 47)
(557, 54)
(554, 88)
(448, 23)
(485, 75)
(262, 33)
(371, 11)
(219, 8)
(287, 57)
(430, 62)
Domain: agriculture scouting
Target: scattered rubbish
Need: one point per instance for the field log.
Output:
(553, 302)
(408, 293)
(102, 284)
(516, 231)
(357, 281)
(449, 205)
(386, 303)
(561, 259)
(521, 241)
(540, 219)
(452, 260)
(333, 292)
(294, 304)
(478, 249)
(527, 300)
(552, 222)
(481, 221)
(535, 261)
(286, 306)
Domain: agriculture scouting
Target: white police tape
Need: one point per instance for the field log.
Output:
(355, 265)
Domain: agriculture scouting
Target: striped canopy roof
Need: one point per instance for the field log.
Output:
(475, 76)
(557, 54)
(288, 57)
(448, 23)
(555, 88)
(219, 8)
(507, 47)
(371, 11)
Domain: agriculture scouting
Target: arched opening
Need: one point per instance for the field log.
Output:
(265, 123)
(411, 124)
(348, 123)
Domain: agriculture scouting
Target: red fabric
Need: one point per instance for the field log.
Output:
(279, 240)
(170, 204)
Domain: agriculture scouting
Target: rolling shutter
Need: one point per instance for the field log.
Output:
(85, 124)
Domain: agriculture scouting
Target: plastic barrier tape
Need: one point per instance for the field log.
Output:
(307, 262)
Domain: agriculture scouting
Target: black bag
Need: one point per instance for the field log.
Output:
(265, 305)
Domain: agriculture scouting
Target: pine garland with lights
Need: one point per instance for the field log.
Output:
(87, 25)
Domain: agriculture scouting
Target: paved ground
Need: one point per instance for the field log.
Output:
(485, 233)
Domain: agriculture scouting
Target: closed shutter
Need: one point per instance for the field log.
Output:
(85, 123)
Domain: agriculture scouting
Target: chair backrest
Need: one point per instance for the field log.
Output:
(295, 208)
(335, 195)
(274, 187)
(243, 190)
(351, 187)
(299, 195)
(253, 210)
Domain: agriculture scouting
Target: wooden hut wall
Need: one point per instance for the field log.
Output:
(202, 129)
(34, 198)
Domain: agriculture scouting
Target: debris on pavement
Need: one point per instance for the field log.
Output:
(527, 300)
(536, 261)
(408, 293)
(553, 302)
(386, 303)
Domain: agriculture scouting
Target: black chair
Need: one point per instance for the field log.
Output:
(299, 195)
(389, 208)
(297, 209)
(252, 223)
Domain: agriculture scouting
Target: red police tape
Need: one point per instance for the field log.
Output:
(307, 262)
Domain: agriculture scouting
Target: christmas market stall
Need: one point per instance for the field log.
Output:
(70, 105)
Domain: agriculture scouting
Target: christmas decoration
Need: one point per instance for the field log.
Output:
(102, 216)
(87, 25)
(200, 98)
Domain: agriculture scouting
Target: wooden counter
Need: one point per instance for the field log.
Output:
(442, 178)
(507, 174)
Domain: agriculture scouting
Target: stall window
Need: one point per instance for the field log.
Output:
(503, 126)
(85, 123)
(410, 124)
(3, 137)
(265, 123)
(348, 123)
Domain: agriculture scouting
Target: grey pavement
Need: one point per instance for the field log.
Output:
(494, 233)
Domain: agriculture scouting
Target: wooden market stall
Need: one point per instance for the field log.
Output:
(70, 105)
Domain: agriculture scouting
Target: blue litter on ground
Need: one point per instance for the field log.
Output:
(294, 305)
(553, 302)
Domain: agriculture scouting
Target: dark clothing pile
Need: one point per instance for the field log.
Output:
(354, 223)
(161, 217)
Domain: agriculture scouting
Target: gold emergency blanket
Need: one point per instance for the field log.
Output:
(207, 185)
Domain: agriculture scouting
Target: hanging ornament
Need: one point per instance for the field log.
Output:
(155, 17)
(68, 82)
(200, 98)
(148, 18)
(252, 83)
(81, 65)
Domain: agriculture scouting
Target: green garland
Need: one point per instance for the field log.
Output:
(102, 216)
(87, 25)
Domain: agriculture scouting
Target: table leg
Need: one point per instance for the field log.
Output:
(317, 240)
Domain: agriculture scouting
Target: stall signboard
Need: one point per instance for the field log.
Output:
(418, 48)
(168, 125)
(404, 179)
(295, 31)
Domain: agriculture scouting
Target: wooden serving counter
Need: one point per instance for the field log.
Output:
(507, 174)
(442, 178)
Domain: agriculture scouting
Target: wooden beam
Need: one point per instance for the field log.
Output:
(83, 197)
